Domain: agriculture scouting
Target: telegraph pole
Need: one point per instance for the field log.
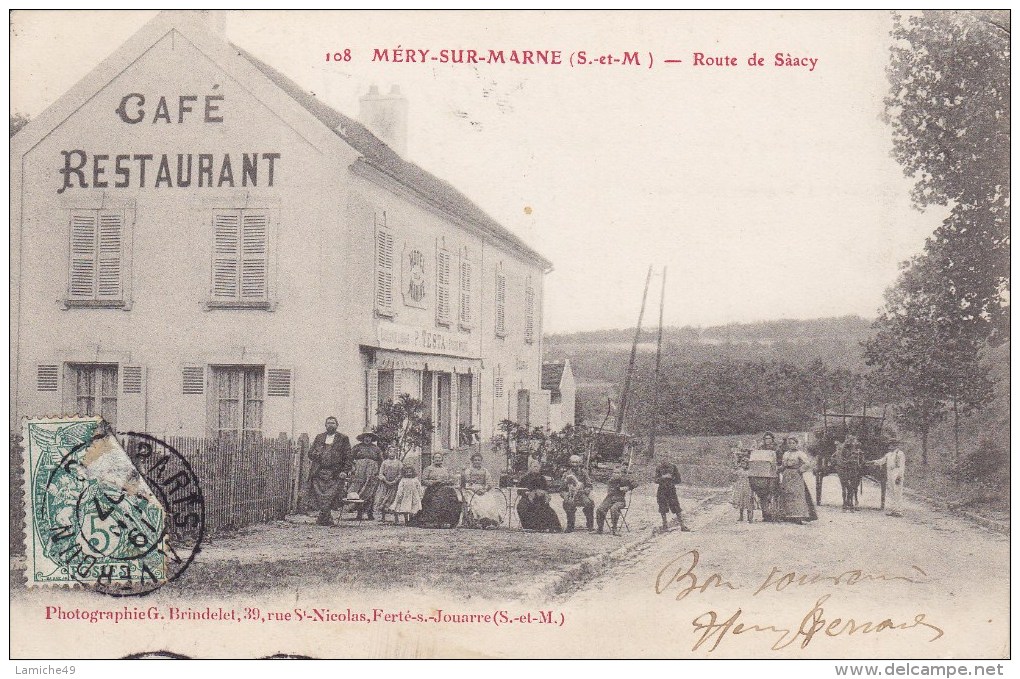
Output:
(658, 360)
(622, 412)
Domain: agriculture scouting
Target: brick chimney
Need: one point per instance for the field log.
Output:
(386, 116)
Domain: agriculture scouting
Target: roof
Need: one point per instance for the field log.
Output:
(378, 155)
(552, 373)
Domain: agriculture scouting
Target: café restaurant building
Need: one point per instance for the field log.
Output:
(200, 247)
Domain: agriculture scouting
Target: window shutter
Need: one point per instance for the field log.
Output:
(111, 236)
(443, 288)
(84, 230)
(454, 410)
(132, 382)
(497, 383)
(384, 272)
(253, 255)
(465, 294)
(529, 313)
(226, 254)
(46, 377)
(371, 396)
(500, 304)
(398, 383)
(193, 379)
(278, 381)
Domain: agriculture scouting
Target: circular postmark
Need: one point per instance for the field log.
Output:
(131, 513)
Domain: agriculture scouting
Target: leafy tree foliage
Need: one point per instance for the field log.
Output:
(403, 423)
(949, 110)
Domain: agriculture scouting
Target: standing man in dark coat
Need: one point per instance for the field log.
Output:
(330, 455)
(667, 476)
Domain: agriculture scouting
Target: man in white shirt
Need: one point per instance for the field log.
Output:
(895, 467)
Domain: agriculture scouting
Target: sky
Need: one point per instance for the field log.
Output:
(767, 192)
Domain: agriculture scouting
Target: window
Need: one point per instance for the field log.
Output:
(465, 293)
(237, 401)
(97, 253)
(443, 302)
(529, 312)
(94, 389)
(240, 258)
(500, 304)
(383, 270)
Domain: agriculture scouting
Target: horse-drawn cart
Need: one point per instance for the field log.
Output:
(860, 457)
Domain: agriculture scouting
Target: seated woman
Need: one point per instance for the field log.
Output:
(440, 505)
(484, 506)
(533, 508)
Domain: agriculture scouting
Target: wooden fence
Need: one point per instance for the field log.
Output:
(243, 482)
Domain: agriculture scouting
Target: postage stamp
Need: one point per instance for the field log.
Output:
(94, 519)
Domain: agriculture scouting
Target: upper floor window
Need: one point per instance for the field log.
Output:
(240, 268)
(96, 272)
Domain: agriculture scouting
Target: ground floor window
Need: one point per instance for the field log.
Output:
(94, 389)
(238, 396)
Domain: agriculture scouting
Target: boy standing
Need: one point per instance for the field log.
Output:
(667, 476)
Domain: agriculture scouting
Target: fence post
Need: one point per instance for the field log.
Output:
(298, 472)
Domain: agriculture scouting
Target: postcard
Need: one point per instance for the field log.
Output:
(510, 334)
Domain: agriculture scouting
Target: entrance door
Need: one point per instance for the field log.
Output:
(524, 408)
(443, 409)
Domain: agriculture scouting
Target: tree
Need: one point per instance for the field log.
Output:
(949, 109)
(404, 425)
(927, 351)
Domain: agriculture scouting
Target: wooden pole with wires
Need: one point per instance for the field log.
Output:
(658, 362)
(621, 413)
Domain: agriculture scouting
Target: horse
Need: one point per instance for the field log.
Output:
(849, 462)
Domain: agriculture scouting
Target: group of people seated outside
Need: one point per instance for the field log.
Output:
(374, 483)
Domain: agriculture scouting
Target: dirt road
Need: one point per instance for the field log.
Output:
(858, 585)
(849, 585)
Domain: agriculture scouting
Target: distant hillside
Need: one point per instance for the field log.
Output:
(723, 379)
(764, 332)
(600, 356)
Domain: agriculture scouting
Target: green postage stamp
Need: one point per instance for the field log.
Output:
(91, 518)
